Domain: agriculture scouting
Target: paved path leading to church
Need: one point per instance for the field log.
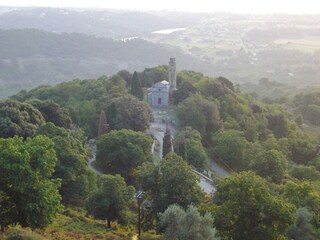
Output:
(92, 158)
(157, 129)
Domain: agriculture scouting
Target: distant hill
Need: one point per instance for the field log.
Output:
(105, 23)
(30, 57)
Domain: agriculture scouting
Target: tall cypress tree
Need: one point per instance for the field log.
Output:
(167, 142)
(182, 151)
(103, 124)
(136, 89)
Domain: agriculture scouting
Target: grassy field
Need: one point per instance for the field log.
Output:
(74, 224)
(308, 44)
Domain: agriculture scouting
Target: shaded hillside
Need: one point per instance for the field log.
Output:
(106, 23)
(29, 58)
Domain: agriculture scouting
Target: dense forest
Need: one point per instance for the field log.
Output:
(272, 191)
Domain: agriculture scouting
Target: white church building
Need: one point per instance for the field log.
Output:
(158, 94)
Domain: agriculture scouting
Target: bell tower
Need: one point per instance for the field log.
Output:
(172, 74)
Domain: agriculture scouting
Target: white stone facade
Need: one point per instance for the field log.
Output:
(158, 94)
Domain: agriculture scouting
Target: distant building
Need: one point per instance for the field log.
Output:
(158, 94)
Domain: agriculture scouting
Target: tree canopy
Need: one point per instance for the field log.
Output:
(230, 147)
(167, 142)
(246, 209)
(52, 112)
(19, 119)
(270, 164)
(77, 179)
(200, 114)
(171, 182)
(122, 151)
(29, 195)
(111, 199)
(186, 224)
(136, 88)
(187, 144)
(129, 113)
(103, 124)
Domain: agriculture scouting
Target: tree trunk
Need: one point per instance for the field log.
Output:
(109, 223)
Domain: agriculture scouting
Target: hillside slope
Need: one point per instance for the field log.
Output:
(30, 57)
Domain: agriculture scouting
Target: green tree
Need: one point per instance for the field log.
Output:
(188, 145)
(246, 209)
(19, 119)
(126, 75)
(8, 210)
(232, 105)
(52, 112)
(129, 113)
(122, 151)
(167, 142)
(230, 146)
(85, 116)
(180, 224)
(305, 173)
(200, 114)
(215, 88)
(196, 154)
(302, 149)
(153, 75)
(77, 179)
(111, 200)
(181, 149)
(29, 196)
(303, 229)
(183, 92)
(299, 120)
(278, 124)
(171, 182)
(303, 194)
(116, 86)
(103, 124)
(270, 164)
(136, 89)
(313, 114)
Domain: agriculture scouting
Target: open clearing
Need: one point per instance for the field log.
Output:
(308, 44)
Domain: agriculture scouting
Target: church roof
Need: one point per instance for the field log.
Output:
(164, 82)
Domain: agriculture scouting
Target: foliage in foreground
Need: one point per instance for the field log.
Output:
(186, 224)
(73, 224)
(111, 200)
(246, 209)
(122, 151)
(28, 195)
(77, 180)
(171, 182)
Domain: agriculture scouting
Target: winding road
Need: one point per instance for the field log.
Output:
(93, 148)
(157, 129)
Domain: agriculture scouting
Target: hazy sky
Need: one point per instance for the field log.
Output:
(239, 6)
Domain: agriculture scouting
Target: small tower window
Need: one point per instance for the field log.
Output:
(159, 101)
